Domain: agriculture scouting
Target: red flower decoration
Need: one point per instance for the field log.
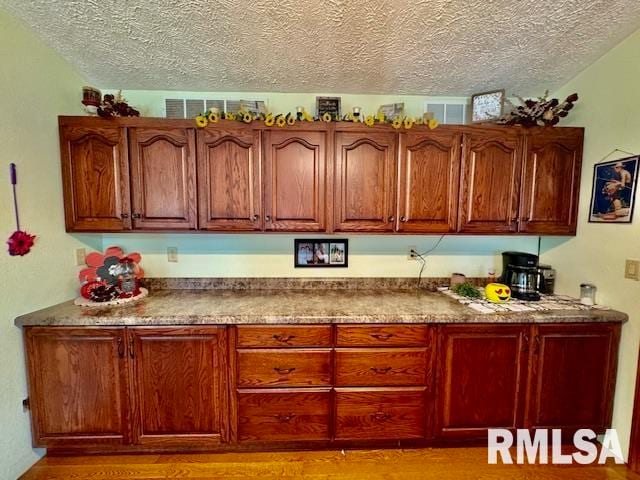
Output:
(20, 243)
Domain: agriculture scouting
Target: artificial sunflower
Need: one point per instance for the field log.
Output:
(201, 121)
(306, 116)
(380, 117)
(213, 117)
(369, 121)
(269, 120)
(419, 121)
(281, 121)
(349, 117)
(433, 123)
(326, 117)
(408, 122)
(291, 119)
(397, 122)
(246, 117)
(229, 116)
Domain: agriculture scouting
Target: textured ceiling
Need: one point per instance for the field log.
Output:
(426, 47)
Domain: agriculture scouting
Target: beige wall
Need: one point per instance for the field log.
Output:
(35, 86)
(609, 109)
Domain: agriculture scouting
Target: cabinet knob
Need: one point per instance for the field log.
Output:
(124, 216)
(268, 218)
(137, 215)
(256, 217)
(403, 219)
(392, 218)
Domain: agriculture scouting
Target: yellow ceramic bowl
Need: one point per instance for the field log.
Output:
(497, 293)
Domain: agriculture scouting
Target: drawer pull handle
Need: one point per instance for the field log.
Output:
(381, 416)
(285, 418)
(284, 371)
(284, 338)
(381, 370)
(382, 336)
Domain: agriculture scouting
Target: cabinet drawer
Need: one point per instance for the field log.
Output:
(256, 336)
(382, 335)
(283, 415)
(381, 367)
(392, 413)
(290, 367)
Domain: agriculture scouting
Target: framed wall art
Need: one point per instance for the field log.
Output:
(614, 191)
(309, 252)
(329, 105)
(487, 106)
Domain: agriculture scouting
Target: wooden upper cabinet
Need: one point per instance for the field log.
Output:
(573, 376)
(179, 385)
(295, 180)
(163, 178)
(490, 186)
(229, 179)
(482, 378)
(551, 181)
(365, 181)
(95, 178)
(78, 386)
(429, 178)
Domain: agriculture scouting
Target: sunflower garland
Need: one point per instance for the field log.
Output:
(282, 120)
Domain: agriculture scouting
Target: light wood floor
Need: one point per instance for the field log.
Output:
(430, 464)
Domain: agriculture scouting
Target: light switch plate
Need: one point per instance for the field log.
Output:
(172, 254)
(81, 255)
(632, 269)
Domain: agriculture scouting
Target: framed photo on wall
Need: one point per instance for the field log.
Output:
(329, 105)
(614, 191)
(324, 253)
(487, 106)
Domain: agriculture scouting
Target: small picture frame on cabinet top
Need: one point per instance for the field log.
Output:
(330, 105)
(487, 106)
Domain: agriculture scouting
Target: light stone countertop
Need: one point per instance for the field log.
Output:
(296, 306)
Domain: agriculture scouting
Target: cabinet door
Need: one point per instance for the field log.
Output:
(163, 178)
(95, 178)
(573, 376)
(179, 394)
(491, 168)
(482, 379)
(295, 173)
(229, 178)
(77, 386)
(429, 178)
(551, 181)
(365, 182)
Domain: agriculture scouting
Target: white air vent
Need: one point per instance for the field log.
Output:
(190, 107)
(451, 113)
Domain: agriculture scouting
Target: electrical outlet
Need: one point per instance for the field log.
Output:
(172, 254)
(81, 255)
(411, 252)
(632, 269)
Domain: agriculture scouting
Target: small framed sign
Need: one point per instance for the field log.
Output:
(329, 105)
(324, 252)
(487, 106)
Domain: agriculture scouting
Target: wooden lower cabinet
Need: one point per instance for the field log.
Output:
(194, 388)
(573, 376)
(284, 415)
(78, 386)
(179, 391)
(482, 379)
(380, 414)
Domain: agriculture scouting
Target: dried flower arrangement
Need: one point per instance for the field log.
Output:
(540, 112)
(116, 106)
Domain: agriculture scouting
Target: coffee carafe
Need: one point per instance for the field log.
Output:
(520, 273)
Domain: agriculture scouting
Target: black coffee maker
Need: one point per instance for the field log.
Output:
(520, 273)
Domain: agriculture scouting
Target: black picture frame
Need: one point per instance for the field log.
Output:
(329, 105)
(308, 252)
(604, 195)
